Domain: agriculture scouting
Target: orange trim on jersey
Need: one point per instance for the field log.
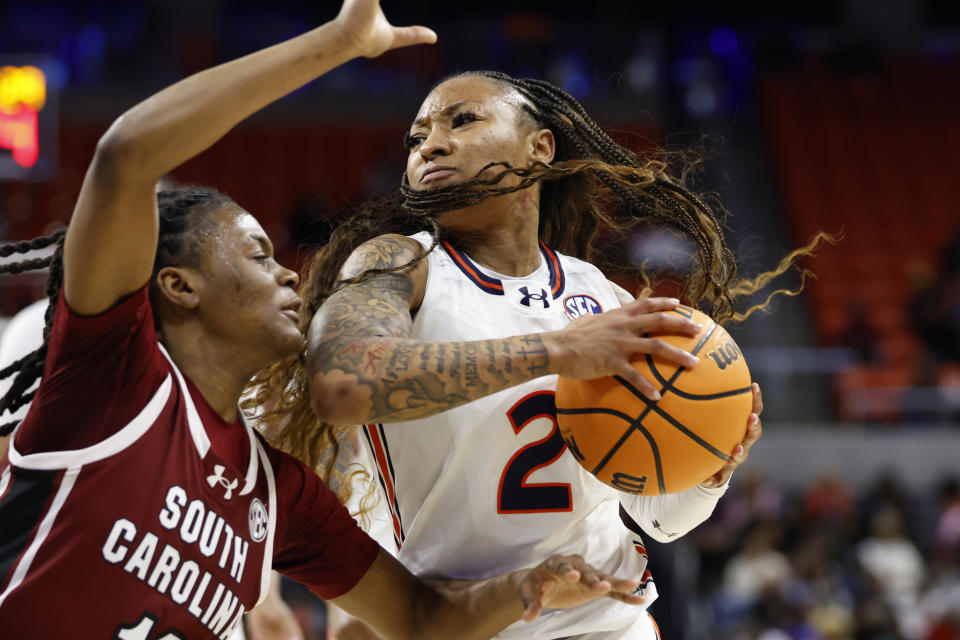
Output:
(656, 627)
(556, 271)
(381, 458)
(482, 280)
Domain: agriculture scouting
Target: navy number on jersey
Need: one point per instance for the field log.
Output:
(516, 495)
(140, 630)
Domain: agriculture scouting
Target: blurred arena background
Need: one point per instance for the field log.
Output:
(835, 116)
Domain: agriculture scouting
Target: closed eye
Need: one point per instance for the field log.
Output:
(462, 118)
(411, 142)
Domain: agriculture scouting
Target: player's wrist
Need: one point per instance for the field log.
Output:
(713, 490)
(348, 42)
(555, 347)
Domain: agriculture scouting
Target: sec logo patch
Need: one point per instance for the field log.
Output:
(258, 520)
(581, 305)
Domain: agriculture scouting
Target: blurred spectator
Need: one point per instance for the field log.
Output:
(821, 584)
(875, 621)
(887, 491)
(947, 540)
(749, 499)
(894, 563)
(759, 568)
(754, 579)
(940, 604)
(818, 576)
(828, 499)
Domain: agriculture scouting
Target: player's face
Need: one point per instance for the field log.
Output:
(463, 125)
(248, 296)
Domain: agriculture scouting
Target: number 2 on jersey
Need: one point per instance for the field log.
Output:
(515, 494)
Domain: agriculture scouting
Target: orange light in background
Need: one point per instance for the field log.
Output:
(23, 92)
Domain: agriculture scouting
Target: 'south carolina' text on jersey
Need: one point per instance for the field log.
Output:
(216, 606)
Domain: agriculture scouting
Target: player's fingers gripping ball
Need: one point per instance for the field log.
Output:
(651, 448)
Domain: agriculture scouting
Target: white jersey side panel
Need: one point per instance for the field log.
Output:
(489, 487)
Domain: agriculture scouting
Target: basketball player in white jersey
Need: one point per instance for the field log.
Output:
(446, 343)
(136, 502)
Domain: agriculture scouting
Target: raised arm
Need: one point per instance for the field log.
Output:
(112, 238)
(365, 367)
(399, 606)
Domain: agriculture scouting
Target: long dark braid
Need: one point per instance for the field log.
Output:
(30, 367)
(182, 218)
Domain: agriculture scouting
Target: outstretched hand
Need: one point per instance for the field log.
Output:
(740, 452)
(273, 621)
(367, 26)
(593, 346)
(561, 582)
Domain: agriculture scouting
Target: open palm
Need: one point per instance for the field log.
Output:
(561, 582)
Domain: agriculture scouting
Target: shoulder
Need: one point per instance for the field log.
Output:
(576, 264)
(129, 320)
(399, 256)
(581, 267)
(383, 252)
(595, 276)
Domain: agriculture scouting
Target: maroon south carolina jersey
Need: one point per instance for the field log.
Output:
(130, 509)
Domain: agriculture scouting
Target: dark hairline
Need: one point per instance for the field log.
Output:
(526, 112)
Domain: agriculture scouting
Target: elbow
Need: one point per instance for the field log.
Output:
(662, 537)
(117, 142)
(673, 531)
(337, 398)
(116, 150)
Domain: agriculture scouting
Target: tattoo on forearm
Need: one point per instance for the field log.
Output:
(363, 330)
(470, 375)
(441, 356)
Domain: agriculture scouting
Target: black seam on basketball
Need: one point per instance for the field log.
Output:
(668, 384)
(656, 453)
(690, 434)
(588, 410)
(638, 425)
(619, 443)
(704, 339)
(656, 372)
(632, 389)
(710, 396)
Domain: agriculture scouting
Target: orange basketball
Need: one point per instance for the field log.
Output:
(651, 448)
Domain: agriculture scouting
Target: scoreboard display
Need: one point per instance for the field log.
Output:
(28, 120)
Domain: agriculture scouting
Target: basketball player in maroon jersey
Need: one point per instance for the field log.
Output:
(135, 502)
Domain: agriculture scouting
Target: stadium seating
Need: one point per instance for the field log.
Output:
(868, 154)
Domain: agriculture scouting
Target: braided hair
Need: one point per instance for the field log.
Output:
(570, 211)
(30, 367)
(183, 213)
(589, 166)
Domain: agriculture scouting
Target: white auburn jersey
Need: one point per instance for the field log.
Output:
(489, 486)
